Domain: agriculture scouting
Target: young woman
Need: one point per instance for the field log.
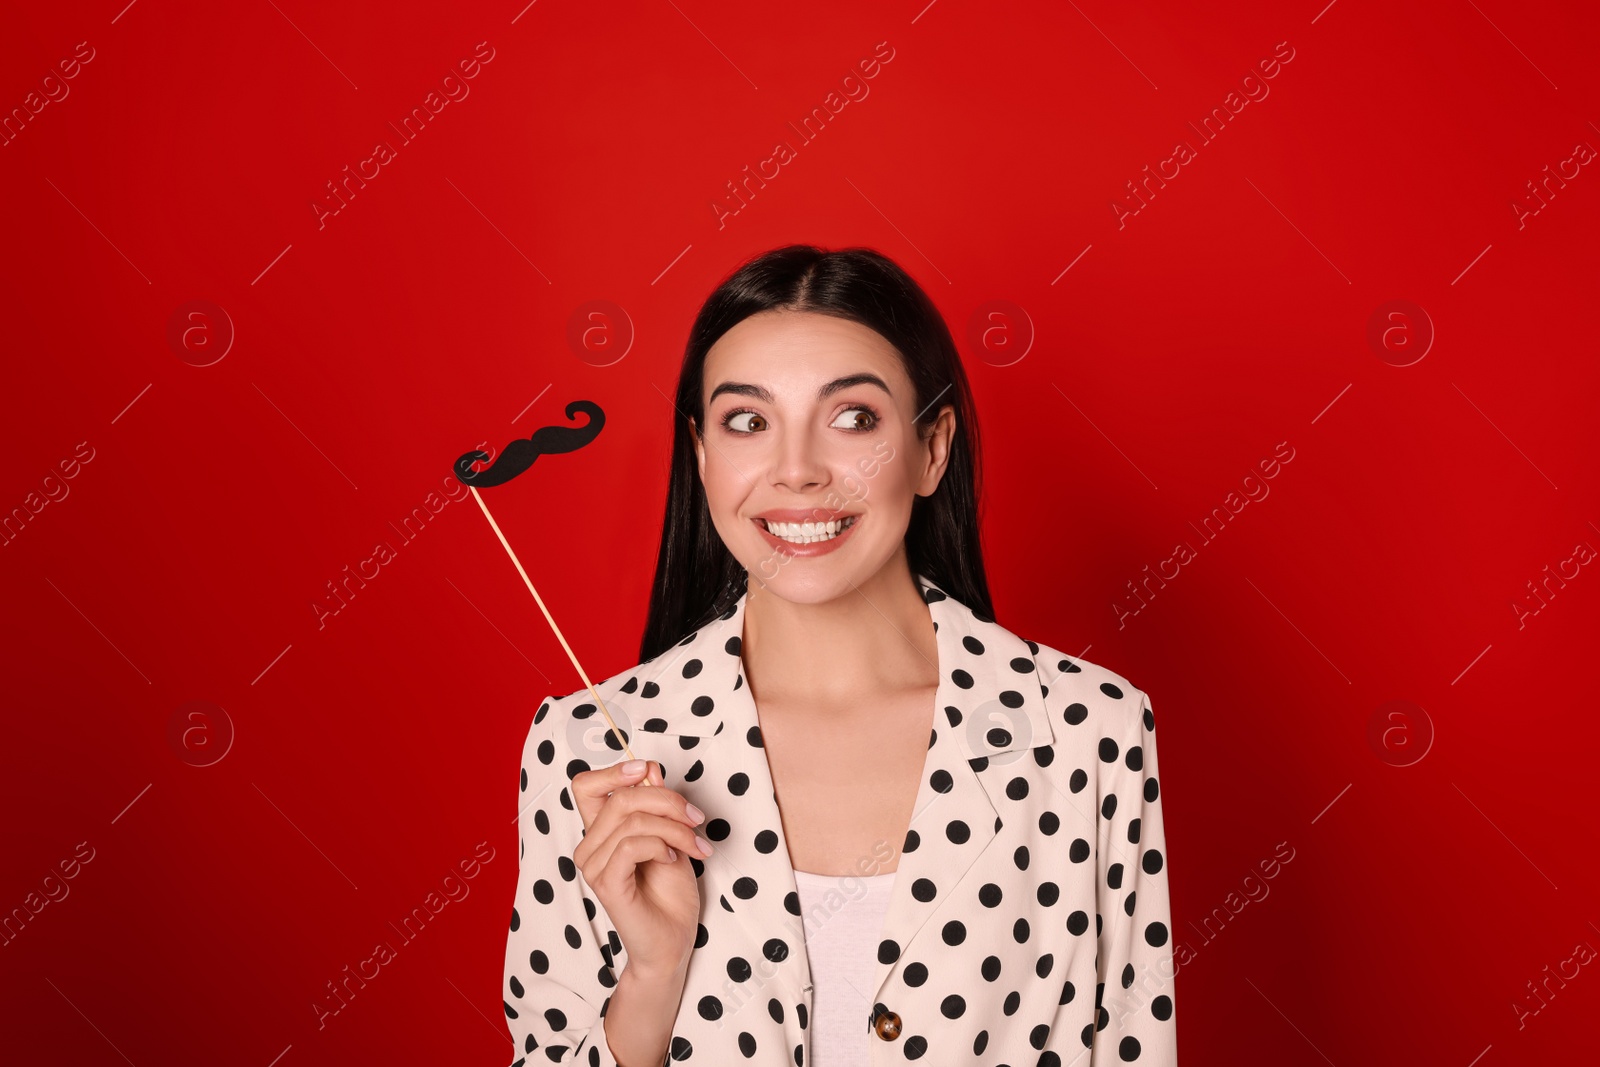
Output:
(879, 826)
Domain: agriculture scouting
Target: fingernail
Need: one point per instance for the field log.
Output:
(705, 846)
(672, 854)
(696, 816)
(633, 766)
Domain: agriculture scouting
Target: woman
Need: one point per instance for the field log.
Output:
(935, 839)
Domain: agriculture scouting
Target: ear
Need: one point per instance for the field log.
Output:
(699, 449)
(938, 451)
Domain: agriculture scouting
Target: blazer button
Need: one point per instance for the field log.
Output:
(887, 1025)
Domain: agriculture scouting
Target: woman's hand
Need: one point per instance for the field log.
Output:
(635, 856)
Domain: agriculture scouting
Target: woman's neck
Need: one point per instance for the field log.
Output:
(876, 637)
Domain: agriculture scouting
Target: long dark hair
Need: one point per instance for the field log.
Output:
(697, 578)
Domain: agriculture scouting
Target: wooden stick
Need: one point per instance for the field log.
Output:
(540, 600)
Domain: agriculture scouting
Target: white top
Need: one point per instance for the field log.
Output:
(843, 917)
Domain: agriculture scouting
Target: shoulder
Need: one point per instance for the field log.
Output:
(1081, 693)
(568, 731)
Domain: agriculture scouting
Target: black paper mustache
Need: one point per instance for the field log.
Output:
(519, 455)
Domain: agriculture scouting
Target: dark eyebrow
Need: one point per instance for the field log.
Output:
(827, 390)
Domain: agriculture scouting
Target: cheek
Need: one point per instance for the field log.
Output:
(884, 484)
(725, 487)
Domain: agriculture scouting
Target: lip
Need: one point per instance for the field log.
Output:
(815, 548)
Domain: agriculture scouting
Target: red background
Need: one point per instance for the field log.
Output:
(373, 753)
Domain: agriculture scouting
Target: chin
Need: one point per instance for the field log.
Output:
(807, 581)
(805, 591)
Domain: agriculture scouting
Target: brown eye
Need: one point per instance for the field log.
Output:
(864, 419)
(755, 422)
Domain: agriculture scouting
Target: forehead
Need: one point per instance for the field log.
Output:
(799, 345)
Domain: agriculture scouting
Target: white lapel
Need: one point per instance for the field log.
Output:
(989, 710)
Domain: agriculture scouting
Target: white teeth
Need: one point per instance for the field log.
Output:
(803, 533)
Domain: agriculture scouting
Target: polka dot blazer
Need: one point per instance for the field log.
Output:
(1029, 919)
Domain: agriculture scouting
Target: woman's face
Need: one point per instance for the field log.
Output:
(810, 418)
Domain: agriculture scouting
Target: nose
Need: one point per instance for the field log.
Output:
(798, 464)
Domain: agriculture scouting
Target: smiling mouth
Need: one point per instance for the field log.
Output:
(804, 533)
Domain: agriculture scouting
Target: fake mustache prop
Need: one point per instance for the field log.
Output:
(517, 457)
